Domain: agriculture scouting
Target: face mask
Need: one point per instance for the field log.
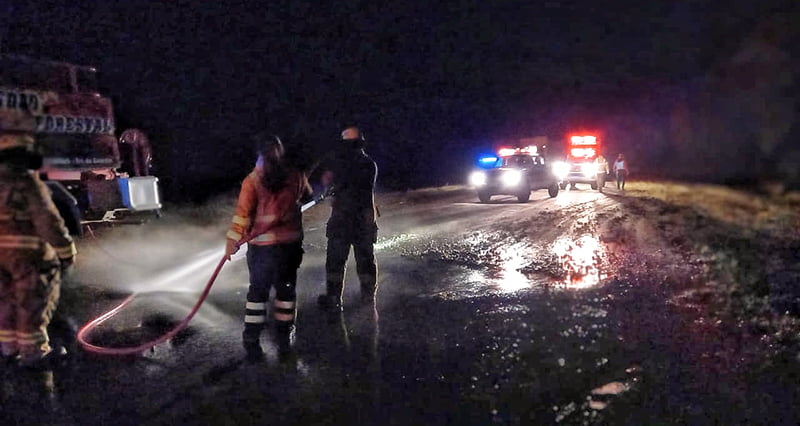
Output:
(357, 143)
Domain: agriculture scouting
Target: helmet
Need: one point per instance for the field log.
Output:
(16, 149)
(16, 140)
(264, 142)
(350, 133)
(353, 138)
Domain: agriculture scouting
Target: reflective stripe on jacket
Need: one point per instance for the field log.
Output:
(28, 216)
(272, 217)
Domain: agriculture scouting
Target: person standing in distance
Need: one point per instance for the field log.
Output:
(621, 171)
(602, 171)
(268, 218)
(350, 175)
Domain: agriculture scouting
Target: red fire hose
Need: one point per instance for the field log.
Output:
(91, 325)
(130, 350)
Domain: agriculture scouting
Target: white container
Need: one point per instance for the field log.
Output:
(140, 193)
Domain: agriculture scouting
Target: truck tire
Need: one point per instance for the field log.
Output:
(524, 196)
(552, 191)
(563, 185)
(484, 197)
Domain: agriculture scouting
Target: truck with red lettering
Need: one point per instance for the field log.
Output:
(94, 175)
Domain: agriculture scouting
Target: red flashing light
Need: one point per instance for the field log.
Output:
(583, 140)
(506, 152)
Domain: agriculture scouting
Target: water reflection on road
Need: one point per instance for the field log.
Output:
(580, 259)
(512, 260)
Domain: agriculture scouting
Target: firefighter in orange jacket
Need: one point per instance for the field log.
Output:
(35, 248)
(268, 218)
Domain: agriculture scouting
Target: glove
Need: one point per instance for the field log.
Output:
(67, 265)
(230, 248)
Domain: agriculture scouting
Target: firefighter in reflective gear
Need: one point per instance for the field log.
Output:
(35, 248)
(351, 174)
(268, 218)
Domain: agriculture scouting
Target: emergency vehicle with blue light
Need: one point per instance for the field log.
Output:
(516, 172)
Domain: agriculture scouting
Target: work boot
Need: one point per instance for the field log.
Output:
(253, 352)
(328, 303)
(332, 299)
(251, 337)
(45, 361)
(285, 337)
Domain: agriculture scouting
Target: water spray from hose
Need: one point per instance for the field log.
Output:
(87, 328)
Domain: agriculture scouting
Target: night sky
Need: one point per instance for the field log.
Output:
(433, 84)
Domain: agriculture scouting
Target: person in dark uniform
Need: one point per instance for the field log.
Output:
(350, 175)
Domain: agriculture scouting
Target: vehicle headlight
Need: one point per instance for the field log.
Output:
(588, 169)
(560, 169)
(511, 177)
(477, 179)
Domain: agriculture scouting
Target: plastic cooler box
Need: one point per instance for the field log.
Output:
(140, 193)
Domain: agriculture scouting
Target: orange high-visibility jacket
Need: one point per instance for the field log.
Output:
(272, 218)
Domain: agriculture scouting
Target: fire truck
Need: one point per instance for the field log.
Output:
(95, 177)
(580, 165)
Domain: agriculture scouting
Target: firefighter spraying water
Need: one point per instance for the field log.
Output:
(268, 210)
(268, 220)
(85, 332)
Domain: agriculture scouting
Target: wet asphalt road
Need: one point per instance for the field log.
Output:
(552, 311)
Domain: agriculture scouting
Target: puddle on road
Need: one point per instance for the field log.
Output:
(508, 277)
(580, 260)
(492, 266)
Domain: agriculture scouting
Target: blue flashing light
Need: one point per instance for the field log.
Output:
(488, 162)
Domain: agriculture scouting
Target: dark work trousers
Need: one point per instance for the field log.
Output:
(336, 261)
(271, 266)
(621, 175)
